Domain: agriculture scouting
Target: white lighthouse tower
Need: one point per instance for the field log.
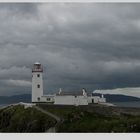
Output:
(37, 82)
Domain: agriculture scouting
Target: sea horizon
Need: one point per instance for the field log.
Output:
(127, 104)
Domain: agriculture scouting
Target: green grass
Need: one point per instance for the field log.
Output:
(74, 119)
(91, 122)
(94, 119)
(18, 119)
(61, 111)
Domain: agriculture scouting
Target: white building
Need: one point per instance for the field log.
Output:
(60, 98)
(96, 99)
(70, 99)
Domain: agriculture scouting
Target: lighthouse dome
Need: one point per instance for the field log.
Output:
(37, 63)
(37, 67)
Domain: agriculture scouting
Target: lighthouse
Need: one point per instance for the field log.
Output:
(37, 82)
(61, 98)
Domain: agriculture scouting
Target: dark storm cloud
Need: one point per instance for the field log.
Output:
(80, 45)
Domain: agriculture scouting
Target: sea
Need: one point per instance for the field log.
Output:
(127, 104)
(3, 105)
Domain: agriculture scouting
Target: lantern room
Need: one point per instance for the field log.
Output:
(37, 67)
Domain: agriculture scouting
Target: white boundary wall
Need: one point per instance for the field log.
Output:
(70, 100)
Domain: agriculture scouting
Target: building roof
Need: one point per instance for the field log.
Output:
(48, 95)
(71, 94)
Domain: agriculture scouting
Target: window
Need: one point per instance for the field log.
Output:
(38, 86)
(48, 99)
(38, 98)
(38, 75)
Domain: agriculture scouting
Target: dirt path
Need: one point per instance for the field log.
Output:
(52, 129)
(48, 113)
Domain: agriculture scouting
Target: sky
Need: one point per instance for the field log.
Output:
(80, 45)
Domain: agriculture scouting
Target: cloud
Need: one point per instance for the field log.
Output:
(18, 83)
(134, 91)
(89, 45)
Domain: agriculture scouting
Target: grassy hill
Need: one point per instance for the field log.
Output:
(96, 118)
(92, 118)
(18, 119)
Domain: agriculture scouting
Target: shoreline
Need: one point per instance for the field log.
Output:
(133, 104)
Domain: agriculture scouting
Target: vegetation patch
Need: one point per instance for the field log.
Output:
(95, 118)
(87, 119)
(18, 119)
